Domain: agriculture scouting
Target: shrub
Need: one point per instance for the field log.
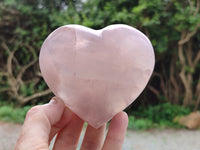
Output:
(10, 114)
(161, 116)
(139, 124)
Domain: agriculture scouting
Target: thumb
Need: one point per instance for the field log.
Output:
(37, 126)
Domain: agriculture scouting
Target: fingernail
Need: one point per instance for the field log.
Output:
(53, 101)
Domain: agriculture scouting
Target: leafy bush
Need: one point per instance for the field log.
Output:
(160, 116)
(139, 124)
(161, 112)
(10, 114)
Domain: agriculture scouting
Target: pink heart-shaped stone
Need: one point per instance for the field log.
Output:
(97, 73)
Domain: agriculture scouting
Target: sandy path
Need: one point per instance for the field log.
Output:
(135, 140)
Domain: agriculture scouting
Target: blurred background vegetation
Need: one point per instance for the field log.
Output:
(171, 25)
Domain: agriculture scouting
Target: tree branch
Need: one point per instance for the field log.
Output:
(23, 69)
(154, 90)
(197, 8)
(189, 35)
(162, 84)
(3, 74)
(4, 90)
(5, 46)
(197, 59)
(11, 78)
(197, 103)
(197, 92)
(36, 95)
(189, 55)
(173, 80)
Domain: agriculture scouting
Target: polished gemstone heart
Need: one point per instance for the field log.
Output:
(97, 73)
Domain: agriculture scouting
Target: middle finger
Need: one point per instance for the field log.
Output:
(93, 139)
(68, 137)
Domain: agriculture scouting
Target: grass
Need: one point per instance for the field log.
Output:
(9, 113)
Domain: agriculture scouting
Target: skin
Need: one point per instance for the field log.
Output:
(43, 122)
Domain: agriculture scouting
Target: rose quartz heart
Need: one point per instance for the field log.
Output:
(97, 73)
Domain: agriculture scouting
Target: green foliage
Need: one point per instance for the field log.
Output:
(10, 113)
(162, 112)
(139, 124)
(159, 116)
(27, 90)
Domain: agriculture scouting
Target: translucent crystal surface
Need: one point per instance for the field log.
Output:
(97, 73)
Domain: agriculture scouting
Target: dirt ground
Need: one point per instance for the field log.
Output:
(168, 139)
(8, 135)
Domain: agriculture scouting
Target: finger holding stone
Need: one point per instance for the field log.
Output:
(93, 138)
(37, 125)
(116, 132)
(65, 119)
(68, 137)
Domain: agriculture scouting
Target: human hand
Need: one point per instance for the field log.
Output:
(43, 122)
